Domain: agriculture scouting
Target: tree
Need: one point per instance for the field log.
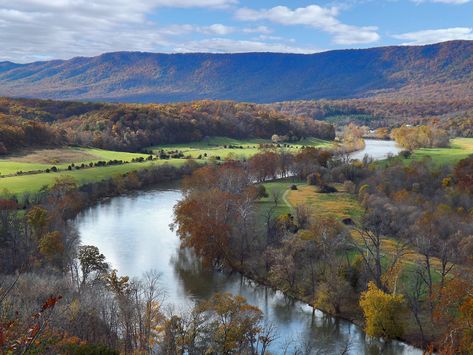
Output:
(415, 296)
(437, 232)
(376, 223)
(383, 313)
(454, 317)
(217, 220)
(233, 325)
(38, 219)
(353, 137)
(264, 166)
(224, 324)
(420, 137)
(91, 260)
(51, 246)
(284, 268)
(464, 174)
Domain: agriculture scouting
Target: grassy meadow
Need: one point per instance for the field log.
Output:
(459, 149)
(35, 182)
(40, 159)
(227, 147)
(36, 161)
(340, 204)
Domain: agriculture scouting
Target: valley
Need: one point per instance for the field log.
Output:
(247, 203)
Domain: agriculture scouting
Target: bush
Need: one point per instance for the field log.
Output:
(327, 189)
(293, 187)
(406, 154)
(261, 191)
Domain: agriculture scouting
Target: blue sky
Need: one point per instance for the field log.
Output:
(59, 29)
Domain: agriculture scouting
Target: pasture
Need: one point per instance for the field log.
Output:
(226, 148)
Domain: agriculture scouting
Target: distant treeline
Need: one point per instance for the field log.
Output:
(455, 115)
(132, 127)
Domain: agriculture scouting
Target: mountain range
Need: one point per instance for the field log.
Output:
(443, 70)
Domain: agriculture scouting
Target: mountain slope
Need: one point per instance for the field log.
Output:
(443, 70)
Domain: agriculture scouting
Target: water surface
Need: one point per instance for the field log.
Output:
(377, 149)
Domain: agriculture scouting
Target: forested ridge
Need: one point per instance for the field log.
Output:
(132, 127)
(435, 71)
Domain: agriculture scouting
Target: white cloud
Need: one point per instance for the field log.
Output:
(185, 29)
(225, 45)
(259, 29)
(31, 29)
(218, 29)
(195, 3)
(435, 36)
(321, 18)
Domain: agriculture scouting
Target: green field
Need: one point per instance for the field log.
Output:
(34, 182)
(460, 148)
(215, 147)
(61, 158)
(35, 161)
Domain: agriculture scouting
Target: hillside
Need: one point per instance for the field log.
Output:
(29, 122)
(436, 71)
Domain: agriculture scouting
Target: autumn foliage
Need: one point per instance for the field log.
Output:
(383, 313)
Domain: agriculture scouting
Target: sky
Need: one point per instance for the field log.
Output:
(33, 30)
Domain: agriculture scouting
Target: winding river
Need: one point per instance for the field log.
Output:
(133, 233)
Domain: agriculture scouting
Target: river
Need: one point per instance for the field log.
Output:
(133, 233)
(377, 149)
